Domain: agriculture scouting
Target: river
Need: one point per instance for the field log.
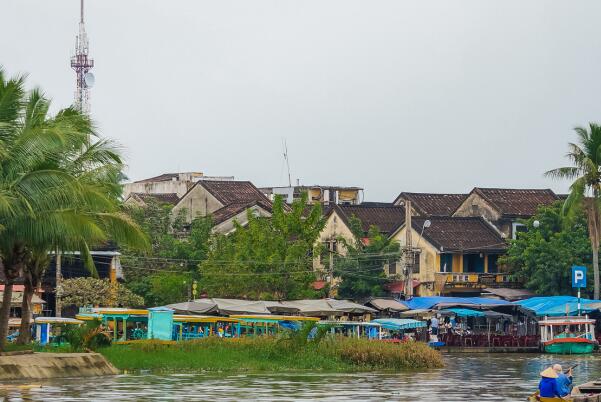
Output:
(476, 377)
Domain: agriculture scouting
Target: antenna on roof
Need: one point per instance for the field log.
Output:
(285, 146)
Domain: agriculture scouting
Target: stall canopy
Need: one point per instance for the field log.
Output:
(316, 307)
(430, 302)
(397, 324)
(462, 312)
(390, 305)
(556, 306)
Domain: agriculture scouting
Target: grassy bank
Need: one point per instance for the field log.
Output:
(270, 354)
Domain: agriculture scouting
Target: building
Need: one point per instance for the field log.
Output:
(225, 201)
(431, 204)
(457, 255)
(168, 183)
(505, 207)
(142, 199)
(324, 195)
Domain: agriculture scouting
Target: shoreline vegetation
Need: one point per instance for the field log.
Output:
(272, 354)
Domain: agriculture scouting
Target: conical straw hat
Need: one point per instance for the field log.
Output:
(549, 373)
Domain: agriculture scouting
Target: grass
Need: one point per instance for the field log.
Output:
(272, 354)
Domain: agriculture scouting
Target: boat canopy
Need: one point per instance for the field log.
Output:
(556, 306)
(57, 320)
(430, 302)
(399, 323)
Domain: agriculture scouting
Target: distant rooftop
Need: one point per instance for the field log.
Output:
(432, 204)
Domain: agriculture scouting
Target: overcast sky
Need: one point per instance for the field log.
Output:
(435, 96)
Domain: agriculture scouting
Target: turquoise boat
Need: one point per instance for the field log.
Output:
(568, 335)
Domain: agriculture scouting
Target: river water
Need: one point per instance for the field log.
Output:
(475, 377)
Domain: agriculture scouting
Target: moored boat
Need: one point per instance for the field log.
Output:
(567, 335)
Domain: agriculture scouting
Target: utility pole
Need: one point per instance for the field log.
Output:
(331, 268)
(408, 251)
(59, 287)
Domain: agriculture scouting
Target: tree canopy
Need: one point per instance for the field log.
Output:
(542, 257)
(98, 292)
(361, 270)
(269, 258)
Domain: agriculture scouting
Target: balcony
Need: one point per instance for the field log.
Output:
(472, 280)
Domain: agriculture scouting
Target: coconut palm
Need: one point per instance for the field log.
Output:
(585, 190)
(57, 189)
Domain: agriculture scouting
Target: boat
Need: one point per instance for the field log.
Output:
(590, 391)
(567, 335)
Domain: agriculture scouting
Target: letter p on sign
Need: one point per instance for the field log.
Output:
(578, 277)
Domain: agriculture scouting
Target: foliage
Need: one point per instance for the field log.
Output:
(89, 335)
(59, 189)
(267, 258)
(585, 190)
(541, 257)
(164, 274)
(361, 270)
(98, 292)
(269, 354)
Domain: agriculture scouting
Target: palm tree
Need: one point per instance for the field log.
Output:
(57, 189)
(585, 190)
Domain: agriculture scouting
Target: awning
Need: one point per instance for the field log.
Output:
(17, 299)
(193, 307)
(556, 306)
(429, 302)
(462, 312)
(510, 294)
(399, 286)
(388, 304)
(398, 324)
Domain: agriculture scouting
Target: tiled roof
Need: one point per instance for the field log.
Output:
(516, 202)
(231, 210)
(161, 177)
(430, 204)
(469, 234)
(234, 192)
(387, 218)
(163, 198)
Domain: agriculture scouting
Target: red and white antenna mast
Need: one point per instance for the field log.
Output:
(82, 64)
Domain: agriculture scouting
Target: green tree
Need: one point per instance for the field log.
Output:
(361, 270)
(585, 190)
(542, 257)
(164, 274)
(269, 258)
(57, 190)
(98, 292)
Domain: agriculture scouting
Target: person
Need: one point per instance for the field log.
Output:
(434, 325)
(547, 387)
(564, 381)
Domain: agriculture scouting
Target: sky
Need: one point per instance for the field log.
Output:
(391, 96)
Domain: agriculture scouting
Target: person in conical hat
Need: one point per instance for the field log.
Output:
(547, 387)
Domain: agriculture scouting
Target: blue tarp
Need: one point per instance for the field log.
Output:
(399, 323)
(555, 306)
(433, 301)
(463, 312)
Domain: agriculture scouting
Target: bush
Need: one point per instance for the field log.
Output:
(90, 335)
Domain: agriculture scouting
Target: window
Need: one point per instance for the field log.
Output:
(516, 228)
(392, 268)
(473, 263)
(416, 262)
(492, 263)
(446, 263)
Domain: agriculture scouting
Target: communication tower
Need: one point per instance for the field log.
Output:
(82, 64)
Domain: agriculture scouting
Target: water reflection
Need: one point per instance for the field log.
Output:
(474, 377)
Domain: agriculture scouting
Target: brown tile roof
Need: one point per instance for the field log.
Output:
(234, 192)
(431, 204)
(231, 210)
(517, 202)
(388, 218)
(161, 177)
(468, 234)
(163, 198)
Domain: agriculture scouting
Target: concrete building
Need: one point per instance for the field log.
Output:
(325, 195)
(168, 183)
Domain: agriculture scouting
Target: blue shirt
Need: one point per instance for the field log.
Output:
(563, 384)
(547, 387)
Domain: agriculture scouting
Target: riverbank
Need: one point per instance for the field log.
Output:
(271, 354)
(36, 366)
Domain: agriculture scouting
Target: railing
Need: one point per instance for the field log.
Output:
(477, 280)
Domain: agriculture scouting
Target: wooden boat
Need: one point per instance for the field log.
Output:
(568, 335)
(587, 392)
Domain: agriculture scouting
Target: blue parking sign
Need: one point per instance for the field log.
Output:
(578, 277)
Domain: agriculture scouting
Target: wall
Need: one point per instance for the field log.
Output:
(37, 366)
(334, 228)
(242, 218)
(159, 187)
(197, 203)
